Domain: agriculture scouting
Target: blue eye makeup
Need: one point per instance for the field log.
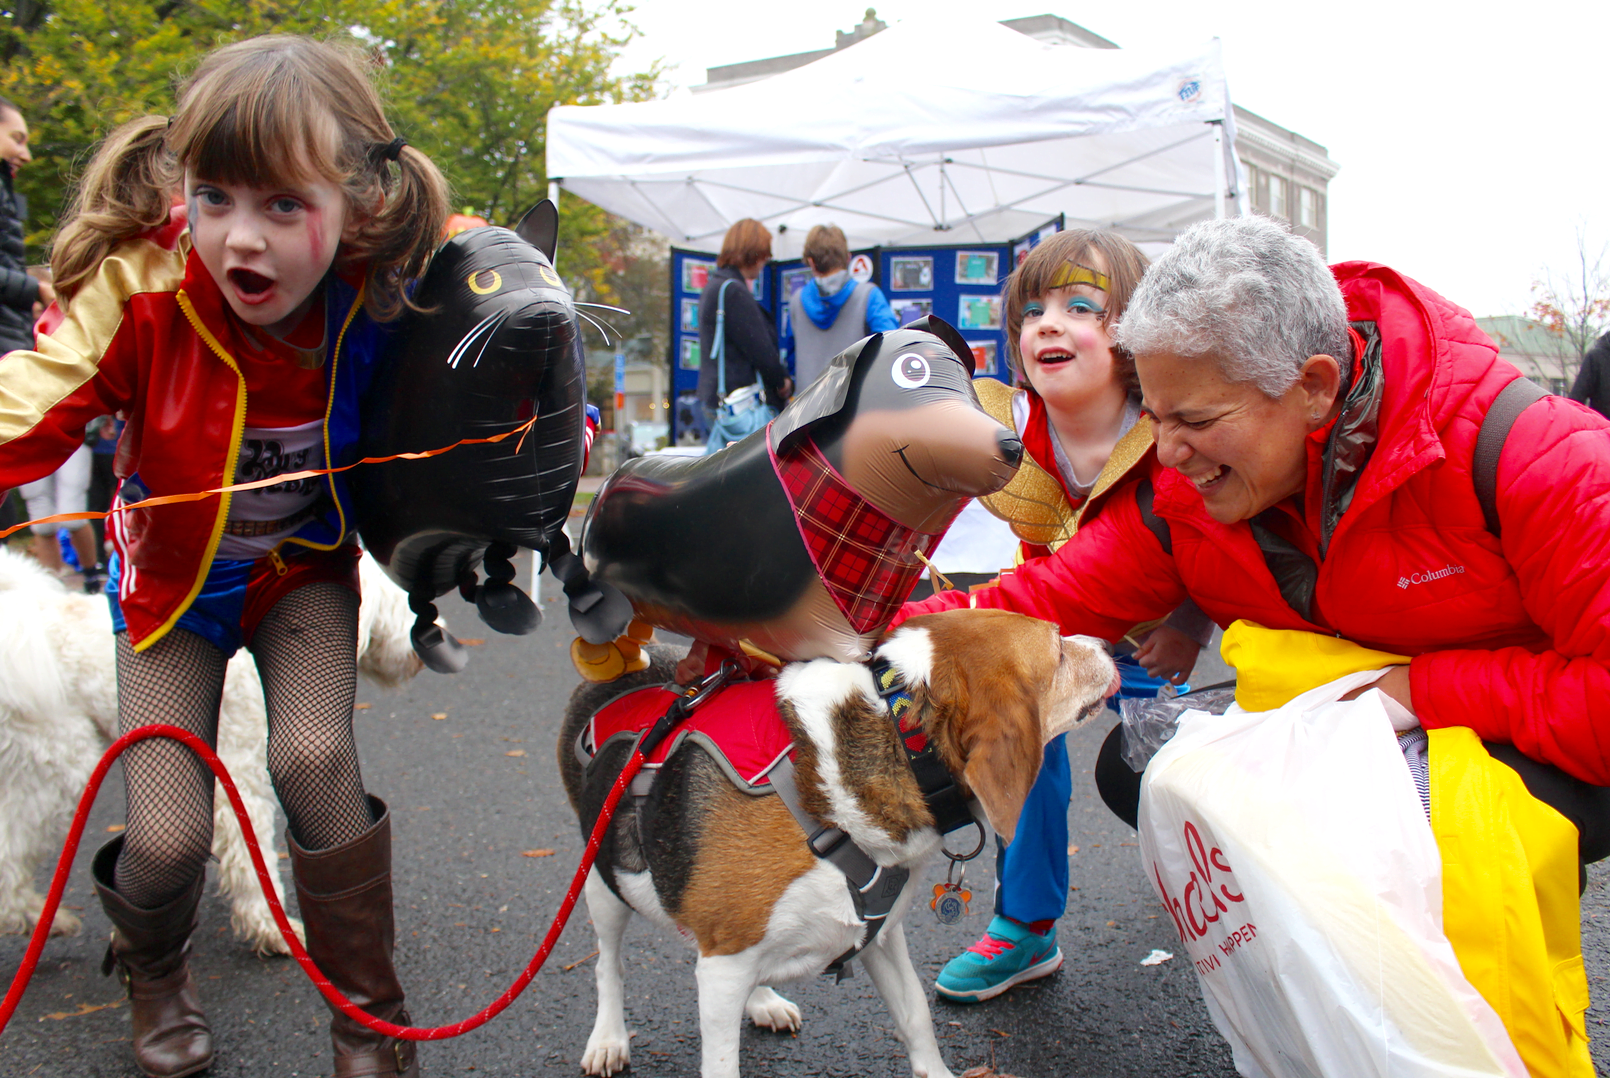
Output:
(1033, 310)
(1085, 307)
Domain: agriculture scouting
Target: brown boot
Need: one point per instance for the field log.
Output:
(345, 895)
(150, 950)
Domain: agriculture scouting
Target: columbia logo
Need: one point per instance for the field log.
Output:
(1434, 574)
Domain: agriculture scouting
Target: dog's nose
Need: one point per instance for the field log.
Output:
(1011, 447)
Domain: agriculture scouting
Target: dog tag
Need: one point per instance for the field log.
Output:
(950, 902)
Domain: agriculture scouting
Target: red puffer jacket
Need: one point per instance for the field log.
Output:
(1510, 638)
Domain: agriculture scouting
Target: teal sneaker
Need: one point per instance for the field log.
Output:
(1008, 954)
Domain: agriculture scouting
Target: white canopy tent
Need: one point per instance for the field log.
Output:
(930, 132)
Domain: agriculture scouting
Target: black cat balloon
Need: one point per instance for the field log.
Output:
(496, 343)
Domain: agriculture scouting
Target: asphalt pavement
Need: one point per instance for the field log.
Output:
(484, 847)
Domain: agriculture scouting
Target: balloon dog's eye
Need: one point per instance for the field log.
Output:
(910, 371)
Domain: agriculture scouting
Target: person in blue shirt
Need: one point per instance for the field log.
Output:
(831, 311)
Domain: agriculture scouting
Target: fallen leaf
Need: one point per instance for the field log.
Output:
(578, 962)
(516, 752)
(439, 716)
(1156, 958)
(115, 828)
(1112, 924)
(537, 853)
(361, 707)
(985, 1072)
(1072, 850)
(83, 1008)
(283, 856)
(471, 641)
(1000, 1033)
(1129, 844)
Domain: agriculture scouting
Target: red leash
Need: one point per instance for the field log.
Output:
(58, 884)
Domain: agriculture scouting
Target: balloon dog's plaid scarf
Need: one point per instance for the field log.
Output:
(867, 562)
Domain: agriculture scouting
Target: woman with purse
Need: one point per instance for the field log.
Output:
(736, 338)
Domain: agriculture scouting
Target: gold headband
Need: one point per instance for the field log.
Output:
(1070, 274)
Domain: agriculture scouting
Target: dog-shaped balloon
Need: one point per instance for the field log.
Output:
(802, 540)
(494, 343)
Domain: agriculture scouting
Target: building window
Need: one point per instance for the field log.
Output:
(1307, 207)
(1274, 195)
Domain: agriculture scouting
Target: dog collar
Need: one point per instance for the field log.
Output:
(867, 561)
(939, 790)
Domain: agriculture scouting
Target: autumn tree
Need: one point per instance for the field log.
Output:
(470, 82)
(1573, 306)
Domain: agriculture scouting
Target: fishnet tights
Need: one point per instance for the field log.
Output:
(306, 652)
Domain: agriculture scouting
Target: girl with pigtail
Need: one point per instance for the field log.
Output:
(236, 332)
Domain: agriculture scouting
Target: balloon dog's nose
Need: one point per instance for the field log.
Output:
(1011, 447)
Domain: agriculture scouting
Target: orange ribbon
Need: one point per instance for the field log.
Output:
(287, 477)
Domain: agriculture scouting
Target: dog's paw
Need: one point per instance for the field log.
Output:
(66, 924)
(606, 1055)
(768, 1010)
(263, 935)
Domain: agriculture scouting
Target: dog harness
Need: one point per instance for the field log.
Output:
(867, 561)
(741, 730)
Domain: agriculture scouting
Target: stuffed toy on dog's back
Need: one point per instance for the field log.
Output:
(803, 539)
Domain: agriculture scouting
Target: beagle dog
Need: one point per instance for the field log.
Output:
(748, 880)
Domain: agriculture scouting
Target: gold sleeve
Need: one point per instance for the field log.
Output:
(32, 383)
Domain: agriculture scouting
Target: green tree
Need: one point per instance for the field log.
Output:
(470, 82)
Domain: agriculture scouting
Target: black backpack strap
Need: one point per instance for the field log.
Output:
(1156, 524)
(1514, 399)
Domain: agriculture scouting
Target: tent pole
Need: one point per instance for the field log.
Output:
(1218, 169)
(553, 193)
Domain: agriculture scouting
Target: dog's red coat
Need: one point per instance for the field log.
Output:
(740, 722)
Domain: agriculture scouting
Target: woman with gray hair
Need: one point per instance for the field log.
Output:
(1317, 469)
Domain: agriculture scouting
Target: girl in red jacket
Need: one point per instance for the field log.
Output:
(1078, 413)
(235, 334)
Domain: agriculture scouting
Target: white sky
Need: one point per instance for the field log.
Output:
(1473, 137)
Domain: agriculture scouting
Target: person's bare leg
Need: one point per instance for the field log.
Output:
(48, 553)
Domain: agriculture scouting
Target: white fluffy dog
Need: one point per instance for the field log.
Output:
(58, 711)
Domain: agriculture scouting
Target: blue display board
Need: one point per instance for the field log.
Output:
(959, 282)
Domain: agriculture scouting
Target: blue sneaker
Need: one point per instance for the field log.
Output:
(1008, 954)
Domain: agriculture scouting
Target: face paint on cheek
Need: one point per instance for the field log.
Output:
(315, 236)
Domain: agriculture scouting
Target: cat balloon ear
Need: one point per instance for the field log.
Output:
(540, 228)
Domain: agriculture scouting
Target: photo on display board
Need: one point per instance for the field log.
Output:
(911, 274)
(696, 274)
(794, 280)
(978, 312)
(978, 267)
(690, 316)
(690, 354)
(1020, 251)
(907, 311)
(984, 353)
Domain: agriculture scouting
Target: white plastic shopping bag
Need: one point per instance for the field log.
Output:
(1292, 852)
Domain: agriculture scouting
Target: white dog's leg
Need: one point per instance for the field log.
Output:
(609, 1048)
(889, 965)
(768, 1010)
(725, 982)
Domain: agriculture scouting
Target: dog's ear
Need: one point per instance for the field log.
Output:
(824, 397)
(1003, 758)
(932, 323)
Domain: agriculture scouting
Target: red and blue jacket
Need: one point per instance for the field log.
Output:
(150, 337)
